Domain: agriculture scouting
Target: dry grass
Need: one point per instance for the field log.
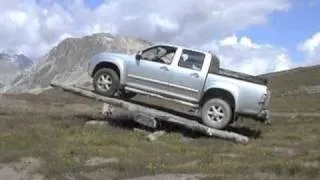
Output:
(282, 86)
(51, 126)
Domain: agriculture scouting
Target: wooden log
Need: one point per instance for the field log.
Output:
(207, 130)
(158, 114)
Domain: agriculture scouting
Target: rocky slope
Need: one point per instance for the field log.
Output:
(20, 61)
(11, 64)
(67, 62)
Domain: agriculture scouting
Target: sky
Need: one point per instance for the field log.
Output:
(249, 36)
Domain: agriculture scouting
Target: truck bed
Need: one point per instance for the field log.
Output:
(242, 76)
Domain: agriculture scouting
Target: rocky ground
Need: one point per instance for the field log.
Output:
(45, 136)
(68, 61)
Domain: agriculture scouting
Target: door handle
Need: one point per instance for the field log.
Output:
(165, 68)
(195, 75)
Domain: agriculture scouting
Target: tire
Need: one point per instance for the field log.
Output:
(216, 113)
(106, 82)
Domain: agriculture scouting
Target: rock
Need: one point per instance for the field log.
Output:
(94, 122)
(189, 164)
(231, 155)
(154, 136)
(295, 116)
(171, 177)
(140, 131)
(97, 161)
(38, 90)
(285, 151)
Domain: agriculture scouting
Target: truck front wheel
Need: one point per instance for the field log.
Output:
(106, 82)
(216, 113)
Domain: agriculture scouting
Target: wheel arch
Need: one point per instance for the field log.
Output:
(117, 67)
(219, 92)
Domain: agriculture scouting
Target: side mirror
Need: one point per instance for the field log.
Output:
(138, 55)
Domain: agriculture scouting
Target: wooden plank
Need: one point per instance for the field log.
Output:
(158, 114)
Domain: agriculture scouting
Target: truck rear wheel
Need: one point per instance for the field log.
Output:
(106, 82)
(216, 113)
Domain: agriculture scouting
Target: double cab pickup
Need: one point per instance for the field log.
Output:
(188, 76)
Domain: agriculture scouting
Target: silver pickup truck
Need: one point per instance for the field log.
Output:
(188, 76)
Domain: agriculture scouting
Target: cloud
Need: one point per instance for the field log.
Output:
(185, 21)
(34, 26)
(311, 48)
(30, 29)
(241, 54)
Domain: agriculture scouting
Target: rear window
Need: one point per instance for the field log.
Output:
(191, 60)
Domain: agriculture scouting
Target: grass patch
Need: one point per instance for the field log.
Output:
(65, 144)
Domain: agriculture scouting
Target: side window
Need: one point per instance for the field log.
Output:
(191, 60)
(160, 54)
(149, 54)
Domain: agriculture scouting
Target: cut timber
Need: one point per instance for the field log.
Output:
(157, 114)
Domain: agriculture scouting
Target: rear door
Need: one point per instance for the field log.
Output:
(189, 74)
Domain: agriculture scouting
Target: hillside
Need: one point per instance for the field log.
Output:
(48, 134)
(296, 90)
(67, 62)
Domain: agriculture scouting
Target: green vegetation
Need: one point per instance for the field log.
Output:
(53, 129)
(51, 126)
(289, 90)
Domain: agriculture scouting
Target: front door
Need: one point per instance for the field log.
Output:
(151, 72)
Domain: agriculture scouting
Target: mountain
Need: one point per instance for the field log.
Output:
(20, 61)
(11, 64)
(67, 62)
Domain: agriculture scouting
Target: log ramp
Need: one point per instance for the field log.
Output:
(150, 117)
